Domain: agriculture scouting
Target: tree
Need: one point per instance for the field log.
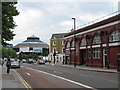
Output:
(8, 11)
(6, 52)
(11, 52)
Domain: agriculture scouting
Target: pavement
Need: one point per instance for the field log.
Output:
(83, 67)
(11, 80)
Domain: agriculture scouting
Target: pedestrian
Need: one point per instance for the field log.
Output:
(8, 65)
(2, 62)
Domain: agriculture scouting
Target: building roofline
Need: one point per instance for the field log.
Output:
(106, 21)
(57, 34)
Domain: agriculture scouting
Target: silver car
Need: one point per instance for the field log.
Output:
(15, 64)
(39, 61)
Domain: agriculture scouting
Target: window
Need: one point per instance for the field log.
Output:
(73, 44)
(63, 50)
(54, 43)
(68, 45)
(96, 53)
(115, 36)
(96, 40)
(63, 42)
(60, 58)
(83, 42)
(31, 48)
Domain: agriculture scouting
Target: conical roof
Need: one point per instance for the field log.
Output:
(32, 41)
(33, 37)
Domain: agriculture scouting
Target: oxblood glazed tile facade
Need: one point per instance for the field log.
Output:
(97, 45)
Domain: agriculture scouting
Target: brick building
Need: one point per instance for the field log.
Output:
(97, 45)
(57, 45)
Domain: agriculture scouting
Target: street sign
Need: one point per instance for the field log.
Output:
(76, 54)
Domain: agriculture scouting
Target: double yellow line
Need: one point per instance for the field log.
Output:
(23, 81)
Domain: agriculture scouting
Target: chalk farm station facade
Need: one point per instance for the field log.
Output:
(96, 45)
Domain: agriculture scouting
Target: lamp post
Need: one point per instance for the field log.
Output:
(63, 62)
(54, 54)
(74, 42)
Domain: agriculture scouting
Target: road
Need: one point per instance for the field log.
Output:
(52, 76)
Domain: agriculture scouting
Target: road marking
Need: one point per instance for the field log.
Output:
(23, 81)
(64, 79)
(86, 76)
(28, 74)
(57, 72)
(113, 81)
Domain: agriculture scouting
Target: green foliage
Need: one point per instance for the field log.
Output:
(8, 11)
(30, 55)
(21, 56)
(8, 52)
(0, 51)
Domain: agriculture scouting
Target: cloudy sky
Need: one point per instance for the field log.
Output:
(44, 18)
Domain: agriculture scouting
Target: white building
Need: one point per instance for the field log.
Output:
(32, 44)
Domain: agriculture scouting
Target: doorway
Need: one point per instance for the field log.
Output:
(83, 57)
(104, 57)
(67, 60)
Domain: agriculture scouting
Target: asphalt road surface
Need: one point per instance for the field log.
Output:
(52, 76)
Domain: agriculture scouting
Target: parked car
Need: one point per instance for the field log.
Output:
(25, 61)
(12, 59)
(17, 60)
(15, 64)
(30, 61)
(46, 60)
(40, 61)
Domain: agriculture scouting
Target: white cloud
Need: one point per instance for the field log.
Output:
(26, 21)
(67, 24)
(28, 17)
(44, 19)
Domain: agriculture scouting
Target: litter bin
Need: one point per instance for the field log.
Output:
(118, 62)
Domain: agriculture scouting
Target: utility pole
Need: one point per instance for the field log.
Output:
(54, 54)
(74, 42)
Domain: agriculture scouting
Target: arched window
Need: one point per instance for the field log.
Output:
(73, 44)
(96, 40)
(83, 42)
(115, 36)
(68, 45)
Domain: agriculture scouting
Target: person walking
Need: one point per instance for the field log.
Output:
(8, 65)
(2, 61)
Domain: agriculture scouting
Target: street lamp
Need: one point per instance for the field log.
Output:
(54, 54)
(74, 42)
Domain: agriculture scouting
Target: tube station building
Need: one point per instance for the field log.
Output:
(96, 45)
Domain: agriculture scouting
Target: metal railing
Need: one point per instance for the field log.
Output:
(99, 19)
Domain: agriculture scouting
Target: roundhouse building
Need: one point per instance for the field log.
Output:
(32, 44)
(96, 45)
